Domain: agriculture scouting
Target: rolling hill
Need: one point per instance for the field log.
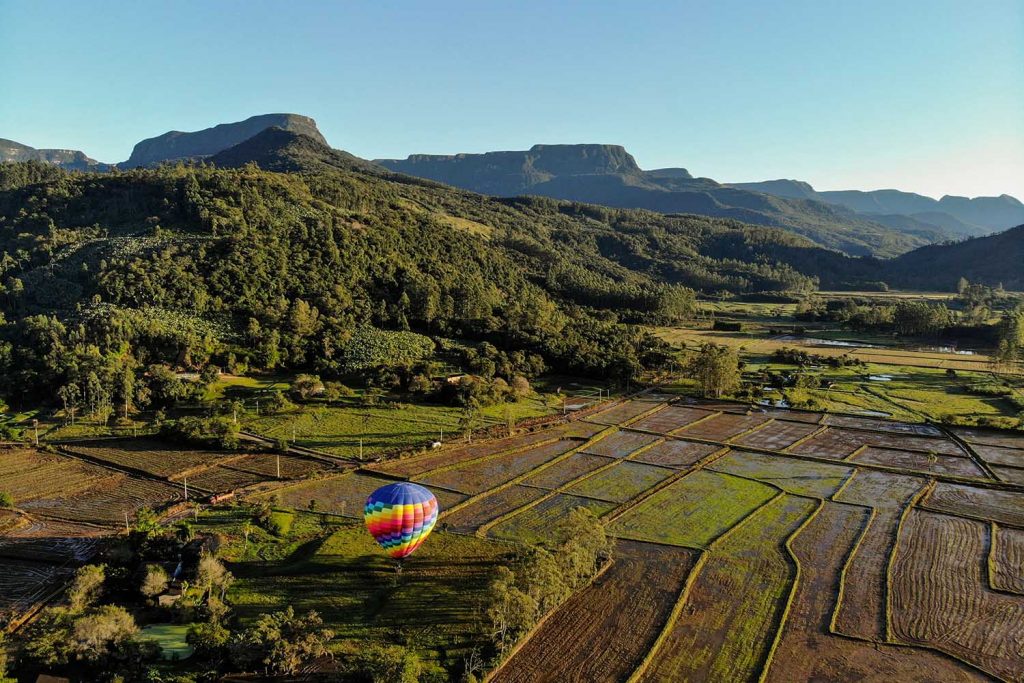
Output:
(992, 260)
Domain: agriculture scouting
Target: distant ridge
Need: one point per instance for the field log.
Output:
(176, 145)
(70, 159)
(609, 175)
(956, 216)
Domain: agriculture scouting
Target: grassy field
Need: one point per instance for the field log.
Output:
(536, 524)
(434, 603)
(339, 430)
(170, 638)
(734, 605)
(693, 511)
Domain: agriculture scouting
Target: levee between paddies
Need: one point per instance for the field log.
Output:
(736, 602)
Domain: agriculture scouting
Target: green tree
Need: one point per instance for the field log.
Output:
(86, 587)
(378, 663)
(716, 369)
(305, 386)
(282, 642)
(154, 581)
(96, 635)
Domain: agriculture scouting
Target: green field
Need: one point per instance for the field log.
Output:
(433, 604)
(343, 494)
(735, 602)
(536, 524)
(170, 638)
(693, 511)
(339, 430)
(622, 482)
(793, 476)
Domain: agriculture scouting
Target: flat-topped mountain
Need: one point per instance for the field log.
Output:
(609, 175)
(71, 159)
(514, 173)
(176, 145)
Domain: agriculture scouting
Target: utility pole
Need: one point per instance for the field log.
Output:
(278, 457)
(441, 440)
(35, 427)
(127, 528)
(186, 489)
(360, 448)
(257, 407)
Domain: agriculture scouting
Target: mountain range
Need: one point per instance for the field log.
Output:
(957, 215)
(882, 223)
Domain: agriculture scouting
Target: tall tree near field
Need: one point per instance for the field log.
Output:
(716, 369)
(1011, 339)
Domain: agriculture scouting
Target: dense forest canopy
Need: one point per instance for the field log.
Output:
(106, 274)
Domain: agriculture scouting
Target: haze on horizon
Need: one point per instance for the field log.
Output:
(924, 96)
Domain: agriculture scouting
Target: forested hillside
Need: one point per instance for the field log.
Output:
(105, 274)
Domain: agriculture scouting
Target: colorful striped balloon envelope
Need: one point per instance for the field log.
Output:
(400, 516)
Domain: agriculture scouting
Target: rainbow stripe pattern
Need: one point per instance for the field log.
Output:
(400, 516)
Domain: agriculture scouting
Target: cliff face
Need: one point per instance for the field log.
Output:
(71, 159)
(175, 145)
(512, 173)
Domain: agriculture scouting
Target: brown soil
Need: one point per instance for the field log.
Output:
(997, 455)
(564, 471)
(777, 435)
(621, 444)
(490, 507)
(477, 477)
(623, 412)
(675, 453)
(1008, 559)
(725, 426)
(602, 633)
(941, 599)
(919, 462)
(832, 443)
(1006, 507)
(862, 612)
(808, 652)
(669, 419)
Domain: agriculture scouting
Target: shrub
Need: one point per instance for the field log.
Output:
(6, 500)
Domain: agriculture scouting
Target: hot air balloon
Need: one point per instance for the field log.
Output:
(400, 516)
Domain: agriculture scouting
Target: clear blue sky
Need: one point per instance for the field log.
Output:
(920, 95)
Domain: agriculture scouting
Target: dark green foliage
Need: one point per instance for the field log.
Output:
(218, 432)
(106, 276)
